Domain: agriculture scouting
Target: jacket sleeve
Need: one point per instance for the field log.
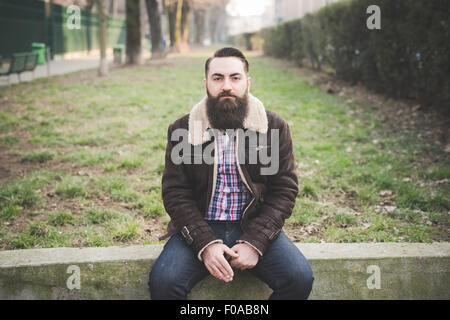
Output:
(279, 198)
(180, 204)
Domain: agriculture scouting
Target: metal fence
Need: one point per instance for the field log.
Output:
(23, 22)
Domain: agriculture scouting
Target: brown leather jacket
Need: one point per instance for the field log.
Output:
(187, 187)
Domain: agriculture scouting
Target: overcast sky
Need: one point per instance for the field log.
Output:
(246, 7)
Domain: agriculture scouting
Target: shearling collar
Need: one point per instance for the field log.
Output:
(256, 120)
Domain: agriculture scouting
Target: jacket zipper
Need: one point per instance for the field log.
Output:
(243, 179)
(214, 175)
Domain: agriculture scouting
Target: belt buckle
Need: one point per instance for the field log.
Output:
(187, 236)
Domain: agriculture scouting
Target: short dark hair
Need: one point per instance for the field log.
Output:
(227, 52)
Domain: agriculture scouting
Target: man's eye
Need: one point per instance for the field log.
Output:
(215, 79)
(236, 78)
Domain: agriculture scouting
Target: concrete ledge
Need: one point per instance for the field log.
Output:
(341, 271)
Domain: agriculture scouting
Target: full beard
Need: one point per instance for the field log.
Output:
(227, 113)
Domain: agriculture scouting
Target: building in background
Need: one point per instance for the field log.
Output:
(285, 10)
(274, 12)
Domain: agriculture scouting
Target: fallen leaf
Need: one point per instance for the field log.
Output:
(365, 226)
(385, 193)
(416, 107)
(390, 209)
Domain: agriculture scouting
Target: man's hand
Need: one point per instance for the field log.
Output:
(247, 256)
(215, 262)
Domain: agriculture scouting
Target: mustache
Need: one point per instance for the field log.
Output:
(226, 94)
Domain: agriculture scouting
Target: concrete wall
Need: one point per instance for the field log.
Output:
(341, 271)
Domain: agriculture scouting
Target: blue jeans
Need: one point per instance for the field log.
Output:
(282, 267)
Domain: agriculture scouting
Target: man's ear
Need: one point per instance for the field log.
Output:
(249, 81)
(204, 83)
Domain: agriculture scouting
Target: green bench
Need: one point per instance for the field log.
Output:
(21, 62)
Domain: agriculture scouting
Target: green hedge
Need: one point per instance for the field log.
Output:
(409, 57)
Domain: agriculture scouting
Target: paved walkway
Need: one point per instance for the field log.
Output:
(92, 61)
(56, 67)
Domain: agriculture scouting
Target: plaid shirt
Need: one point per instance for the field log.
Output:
(230, 194)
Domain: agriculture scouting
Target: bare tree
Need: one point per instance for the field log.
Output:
(178, 12)
(184, 25)
(133, 23)
(178, 16)
(90, 4)
(171, 8)
(155, 28)
(177, 36)
(103, 69)
(216, 12)
(209, 15)
(200, 9)
(199, 20)
(113, 7)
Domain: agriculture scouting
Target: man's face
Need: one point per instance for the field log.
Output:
(227, 78)
(227, 86)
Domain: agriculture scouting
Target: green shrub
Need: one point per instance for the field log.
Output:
(61, 218)
(71, 187)
(10, 212)
(37, 156)
(407, 58)
(97, 216)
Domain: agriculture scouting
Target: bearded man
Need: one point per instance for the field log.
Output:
(227, 213)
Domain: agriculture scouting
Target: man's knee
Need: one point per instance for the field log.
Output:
(163, 285)
(302, 278)
(305, 280)
(298, 281)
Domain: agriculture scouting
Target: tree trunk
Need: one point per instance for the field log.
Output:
(214, 16)
(133, 22)
(199, 19)
(155, 28)
(103, 69)
(185, 26)
(178, 14)
(177, 31)
(171, 15)
(113, 7)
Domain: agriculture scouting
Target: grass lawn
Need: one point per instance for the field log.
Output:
(81, 157)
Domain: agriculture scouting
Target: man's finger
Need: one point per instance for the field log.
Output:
(236, 263)
(221, 272)
(215, 272)
(231, 253)
(226, 268)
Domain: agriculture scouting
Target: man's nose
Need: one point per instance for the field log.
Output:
(226, 84)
